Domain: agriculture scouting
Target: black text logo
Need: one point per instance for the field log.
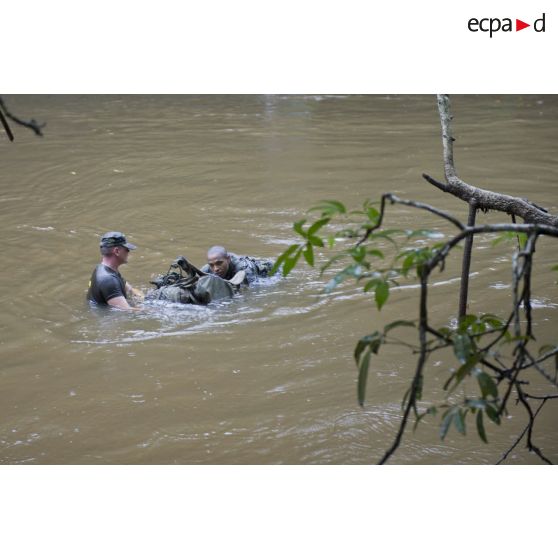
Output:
(493, 25)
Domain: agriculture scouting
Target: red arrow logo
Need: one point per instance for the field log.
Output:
(519, 25)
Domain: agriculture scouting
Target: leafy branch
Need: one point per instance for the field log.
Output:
(477, 341)
(492, 352)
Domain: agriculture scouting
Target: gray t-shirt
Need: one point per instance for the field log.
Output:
(105, 283)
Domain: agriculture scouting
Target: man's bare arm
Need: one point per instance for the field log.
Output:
(134, 292)
(121, 303)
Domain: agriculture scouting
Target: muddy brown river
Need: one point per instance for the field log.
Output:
(269, 377)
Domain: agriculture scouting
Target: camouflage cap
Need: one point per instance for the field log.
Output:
(113, 239)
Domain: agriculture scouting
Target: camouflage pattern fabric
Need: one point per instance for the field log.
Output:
(253, 267)
(189, 288)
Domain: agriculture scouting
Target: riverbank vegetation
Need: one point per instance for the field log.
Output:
(489, 357)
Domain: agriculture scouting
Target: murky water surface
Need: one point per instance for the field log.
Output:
(267, 377)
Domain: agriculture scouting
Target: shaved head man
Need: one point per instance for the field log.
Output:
(219, 262)
(225, 264)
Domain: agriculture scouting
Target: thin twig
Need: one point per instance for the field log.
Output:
(395, 199)
(530, 444)
(417, 380)
(505, 455)
(466, 262)
(31, 124)
(6, 126)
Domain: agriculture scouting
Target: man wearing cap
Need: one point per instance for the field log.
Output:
(107, 286)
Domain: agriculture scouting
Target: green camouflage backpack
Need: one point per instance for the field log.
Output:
(186, 284)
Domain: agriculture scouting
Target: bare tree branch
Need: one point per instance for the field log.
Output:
(6, 126)
(530, 445)
(417, 380)
(507, 453)
(537, 221)
(466, 262)
(31, 124)
(522, 268)
(392, 198)
(485, 199)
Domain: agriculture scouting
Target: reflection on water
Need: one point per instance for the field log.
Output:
(267, 377)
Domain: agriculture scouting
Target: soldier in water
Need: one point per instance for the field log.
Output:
(107, 287)
(226, 264)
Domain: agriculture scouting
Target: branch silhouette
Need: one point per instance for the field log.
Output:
(6, 114)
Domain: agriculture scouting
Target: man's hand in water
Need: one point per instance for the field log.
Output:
(135, 293)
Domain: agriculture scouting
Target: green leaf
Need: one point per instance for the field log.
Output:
(465, 322)
(362, 377)
(375, 345)
(462, 347)
(480, 428)
(358, 253)
(398, 323)
(446, 422)
(492, 413)
(373, 215)
(408, 263)
(315, 240)
(478, 327)
(476, 404)
(331, 261)
(308, 254)
(459, 421)
(371, 284)
(317, 226)
(487, 385)
(329, 208)
(290, 262)
(381, 294)
(464, 370)
(493, 321)
(510, 235)
(445, 332)
(353, 270)
(546, 349)
(377, 253)
(290, 250)
(372, 341)
(298, 228)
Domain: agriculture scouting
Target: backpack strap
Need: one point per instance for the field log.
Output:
(238, 278)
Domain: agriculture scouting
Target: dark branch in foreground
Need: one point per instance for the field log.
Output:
(522, 268)
(31, 124)
(417, 380)
(484, 199)
(392, 198)
(537, 221)
(491, 351)
(529, 425)
(6, 126)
